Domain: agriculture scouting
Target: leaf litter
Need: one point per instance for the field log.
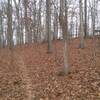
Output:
(30, 73)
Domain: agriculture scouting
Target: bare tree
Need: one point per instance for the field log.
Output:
(81, 25)
(17, 6)
(34, 21)
(55, 24)
(71, 24)
(9, 29)
(63, 19)
(48, 24)
(21, 28)
(93, 15)
(39, 19)
(1, 29)
(85, 11)
(26, 20)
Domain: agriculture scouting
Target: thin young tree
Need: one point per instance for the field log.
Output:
(1, 29)
(85, 18)
(93, 16)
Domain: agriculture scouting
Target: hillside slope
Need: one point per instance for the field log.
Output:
(29, 73)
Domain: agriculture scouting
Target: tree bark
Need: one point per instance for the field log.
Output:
(48, 24)
(63, 19)
(81, 26)
(1, 31)
(18, 22)
(26, 20)
(85, 11)
(55, 23)
(9, 29)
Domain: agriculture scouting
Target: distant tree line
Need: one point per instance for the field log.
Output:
(29, 21)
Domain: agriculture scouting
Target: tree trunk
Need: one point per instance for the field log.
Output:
(93, 16)
(39, 21)
(21, 30)
(18, 23)
(48, 24)
(34, 22)
(1, 31)
(63, 19)
(81, 26)
(9, 29)
(85, 25)
(55, 24)
(26, 20)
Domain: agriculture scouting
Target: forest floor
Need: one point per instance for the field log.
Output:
(28, 72)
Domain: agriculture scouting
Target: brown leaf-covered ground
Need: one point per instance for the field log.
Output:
(28, 72)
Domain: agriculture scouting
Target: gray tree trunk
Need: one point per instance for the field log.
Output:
(93, 16)
(55, 24)
(81, 25)
(63, 19)
(85, 11)
(48, 24)
(26, 20)
(1, 31)
(39, 21)
(18, 21)
(21, 30)
(9, 23)
(34, 22)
